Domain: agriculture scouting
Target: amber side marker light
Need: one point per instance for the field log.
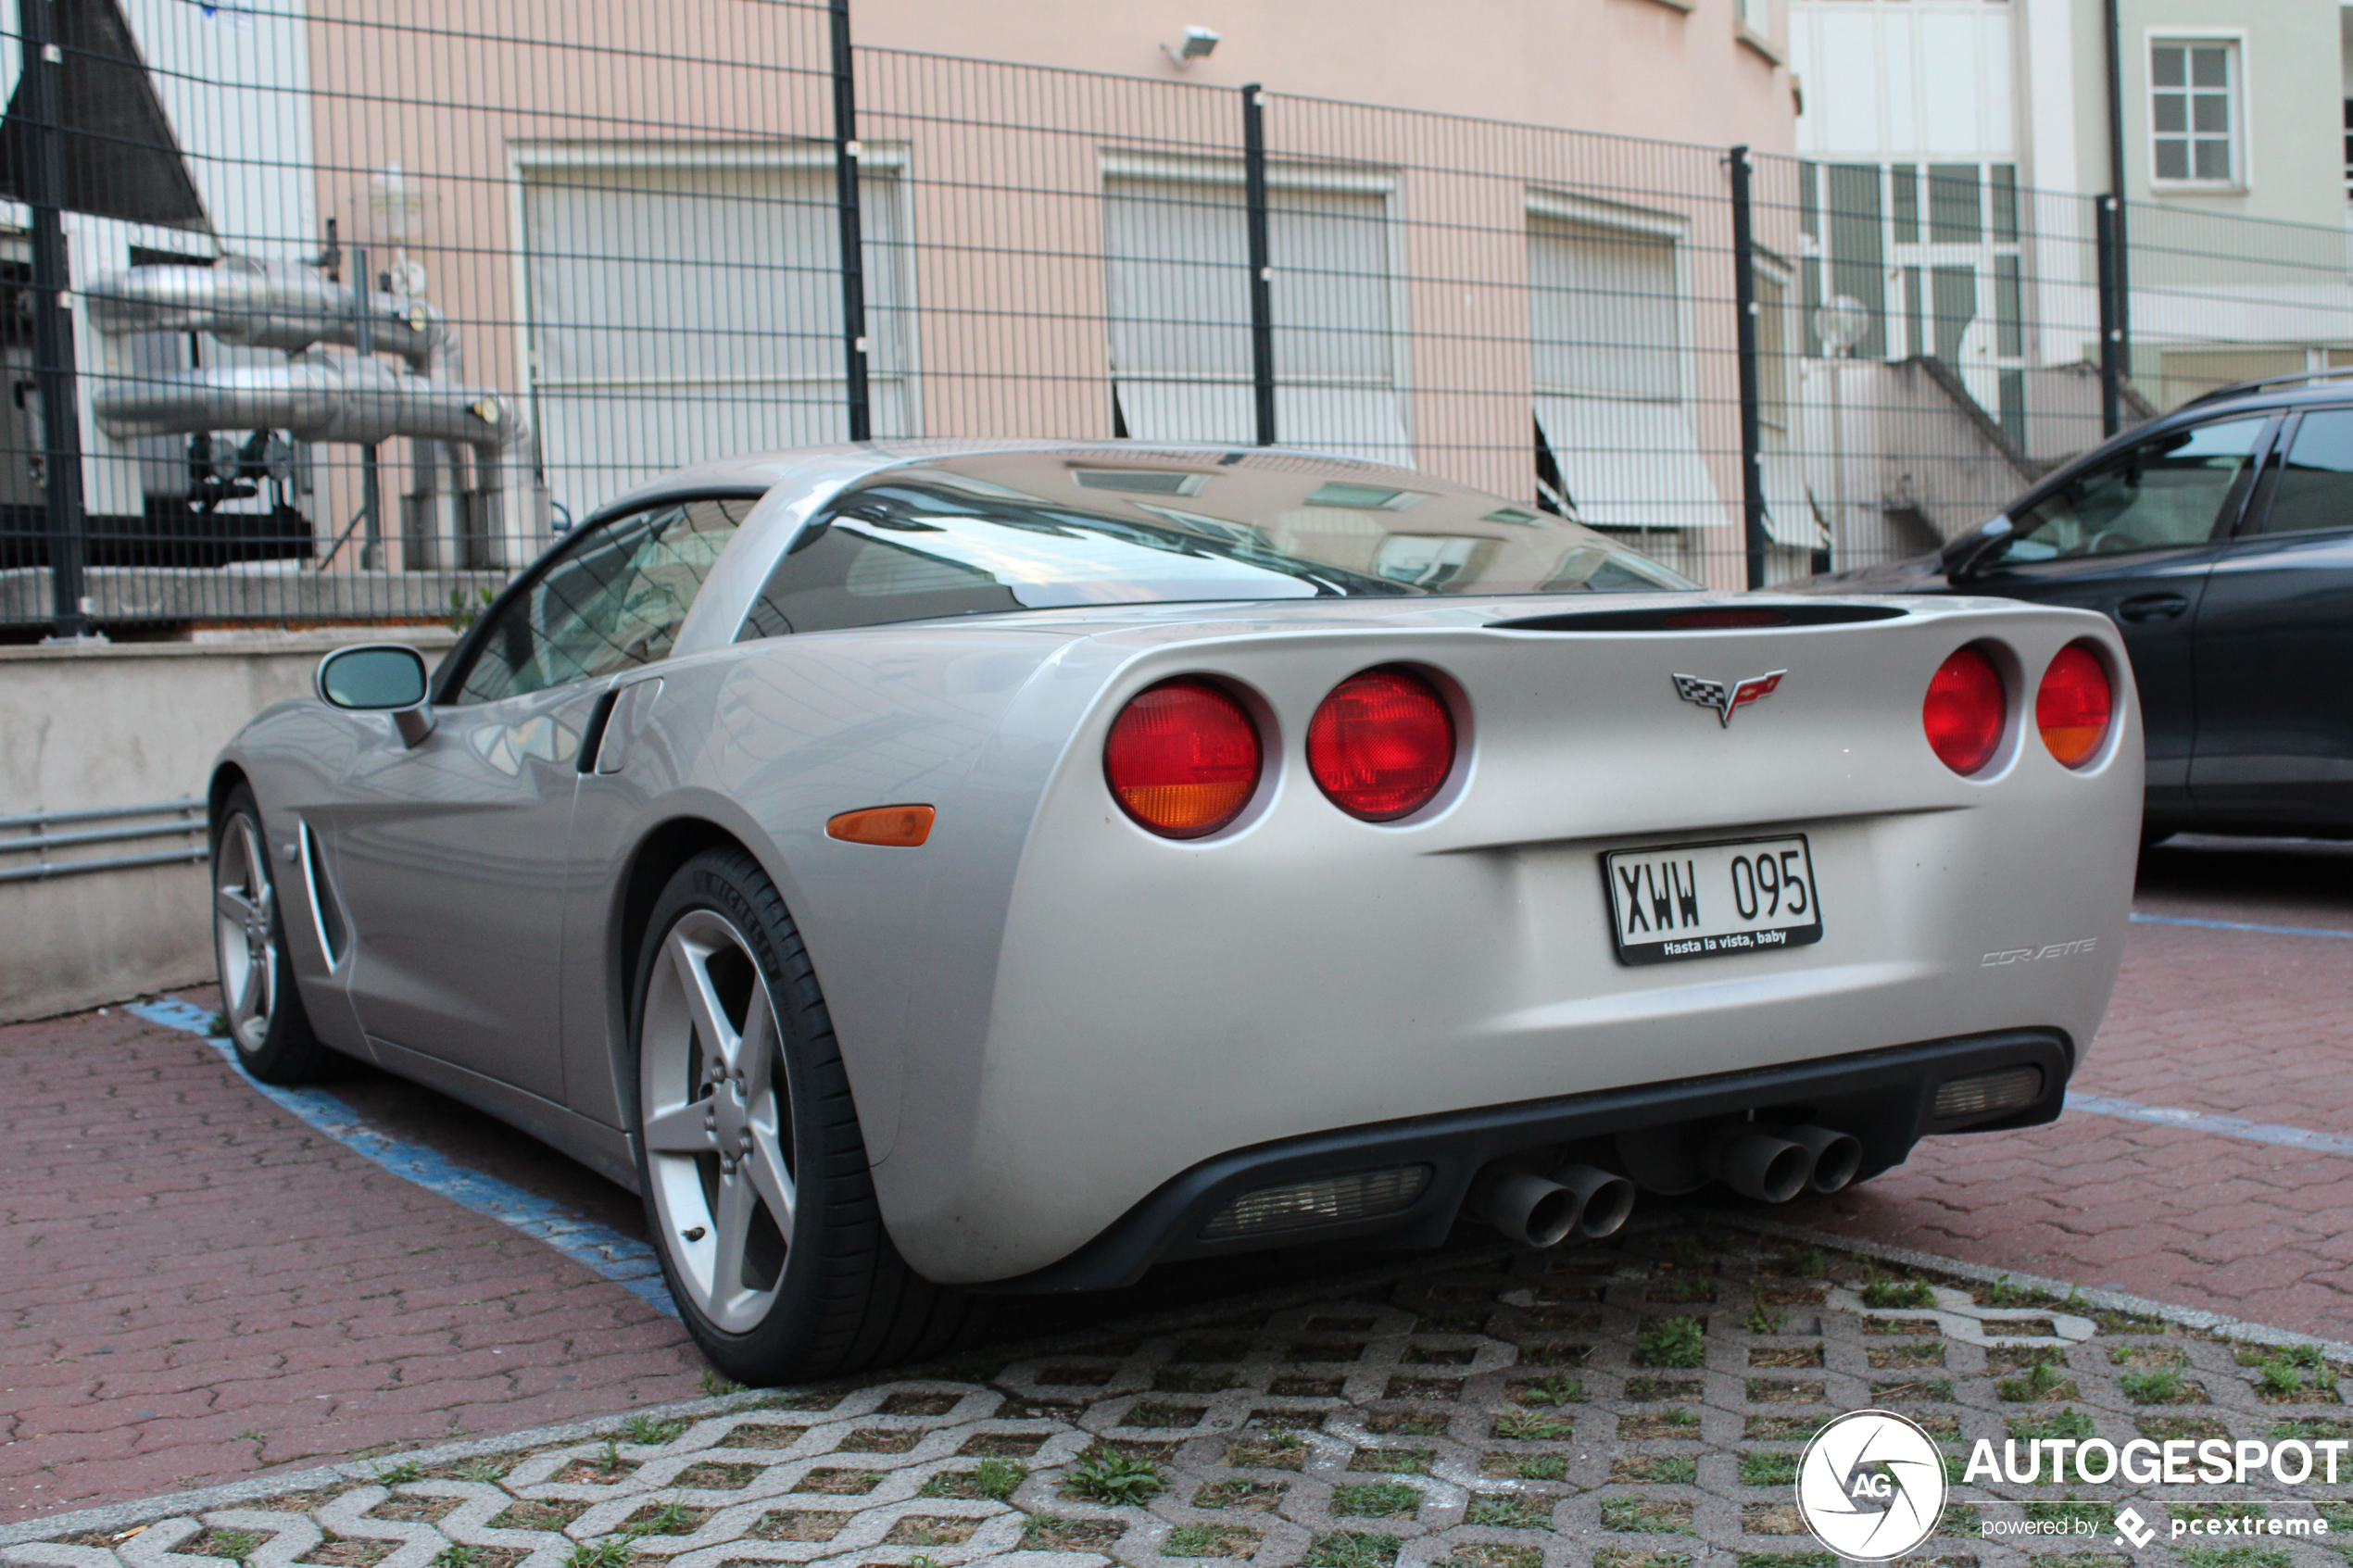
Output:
(2074, 706)
(894, 827)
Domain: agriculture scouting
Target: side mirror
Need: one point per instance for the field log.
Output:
(380, 678)
(1976, 549)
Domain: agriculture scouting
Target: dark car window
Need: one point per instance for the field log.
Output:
(913, 547)
(615, 599)
(2166, 492)
(2315, 487)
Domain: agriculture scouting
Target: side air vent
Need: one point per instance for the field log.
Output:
(326, 913)
(1703, 618)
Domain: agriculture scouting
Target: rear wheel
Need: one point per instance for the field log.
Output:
(267, 1023)
(754, 1169)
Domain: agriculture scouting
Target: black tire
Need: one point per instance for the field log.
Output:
(837, 1297)
(259, 996)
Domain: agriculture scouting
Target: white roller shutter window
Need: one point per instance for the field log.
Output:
(1606, 324)
(685, 314)
(1178, 294)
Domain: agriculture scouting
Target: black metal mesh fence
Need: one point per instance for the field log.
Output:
(331, 313)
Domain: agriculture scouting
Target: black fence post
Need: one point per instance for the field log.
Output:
(53, 322)
(2111, 323)
(853, 252)
(1744, 342)
(1262, 275)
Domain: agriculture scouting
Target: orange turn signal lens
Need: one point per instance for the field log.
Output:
(894, 827)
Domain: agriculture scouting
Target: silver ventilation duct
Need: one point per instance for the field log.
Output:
(340, 399)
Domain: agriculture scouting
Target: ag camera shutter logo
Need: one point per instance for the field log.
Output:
(1870, 1486)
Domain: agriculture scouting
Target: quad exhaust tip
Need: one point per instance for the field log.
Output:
(1775, 1164)
(1835, 1157)
(1542, 1210)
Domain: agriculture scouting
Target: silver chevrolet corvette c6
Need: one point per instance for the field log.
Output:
(929, 869)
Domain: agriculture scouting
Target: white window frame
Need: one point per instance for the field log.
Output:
(526, 161)
(1180, 168)
(2242, 98)
(1603, 219)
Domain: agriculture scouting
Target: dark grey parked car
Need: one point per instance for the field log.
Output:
(2219, 540)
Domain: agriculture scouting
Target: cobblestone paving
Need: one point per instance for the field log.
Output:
(1636, 1404)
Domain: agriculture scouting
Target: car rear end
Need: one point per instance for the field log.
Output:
(1692, 873)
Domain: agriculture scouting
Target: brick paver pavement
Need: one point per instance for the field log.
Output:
(195, 1285)
(2242, 1023)
(1638, 1404)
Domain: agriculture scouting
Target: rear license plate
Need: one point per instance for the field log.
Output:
(1704, 900)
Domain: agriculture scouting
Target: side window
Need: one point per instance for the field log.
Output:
(2315, 487)
(614, 600)
(844, 576)
(2166, 492)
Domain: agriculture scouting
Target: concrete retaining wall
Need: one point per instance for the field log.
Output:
(124, 724)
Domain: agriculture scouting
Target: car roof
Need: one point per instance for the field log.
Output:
(2295, 388)
(853, 460)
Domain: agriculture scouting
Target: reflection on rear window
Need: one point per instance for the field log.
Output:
(1028, 531)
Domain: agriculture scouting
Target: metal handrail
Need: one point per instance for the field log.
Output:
(36, 838)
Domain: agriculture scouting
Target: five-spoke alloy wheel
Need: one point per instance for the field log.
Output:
(717, 1119)
(258, 997)
(749, 1153)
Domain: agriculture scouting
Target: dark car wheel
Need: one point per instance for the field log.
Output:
(267, 1023)
(754, 1169)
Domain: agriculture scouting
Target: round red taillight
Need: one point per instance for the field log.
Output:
(1381, 745)
(1966, 711)
(1182, 758)
(2074, 704)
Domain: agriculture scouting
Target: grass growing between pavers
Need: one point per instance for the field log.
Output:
(1701, 1362)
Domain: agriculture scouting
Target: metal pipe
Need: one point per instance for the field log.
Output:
(273, 305)
(102, 813)
(363, 342)
(317, 398)
(110, 864)
(93, 835)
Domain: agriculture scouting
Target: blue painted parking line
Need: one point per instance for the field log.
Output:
(626, 1261)
(2206, 1122)
(2139, 918)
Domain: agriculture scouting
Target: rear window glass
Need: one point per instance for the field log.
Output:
(1038, 531)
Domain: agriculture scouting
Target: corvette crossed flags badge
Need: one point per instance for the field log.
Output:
(1711, 695)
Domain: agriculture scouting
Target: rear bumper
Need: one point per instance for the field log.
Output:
(1884, 1097)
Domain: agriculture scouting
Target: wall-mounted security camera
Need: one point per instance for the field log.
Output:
(1200, 41)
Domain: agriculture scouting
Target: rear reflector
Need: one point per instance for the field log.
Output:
(1362, 1195)
(1988, 1093)
(1381, 745)
(1182, 758)
(894, 827)
(1966, 711)
(2074, 704)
